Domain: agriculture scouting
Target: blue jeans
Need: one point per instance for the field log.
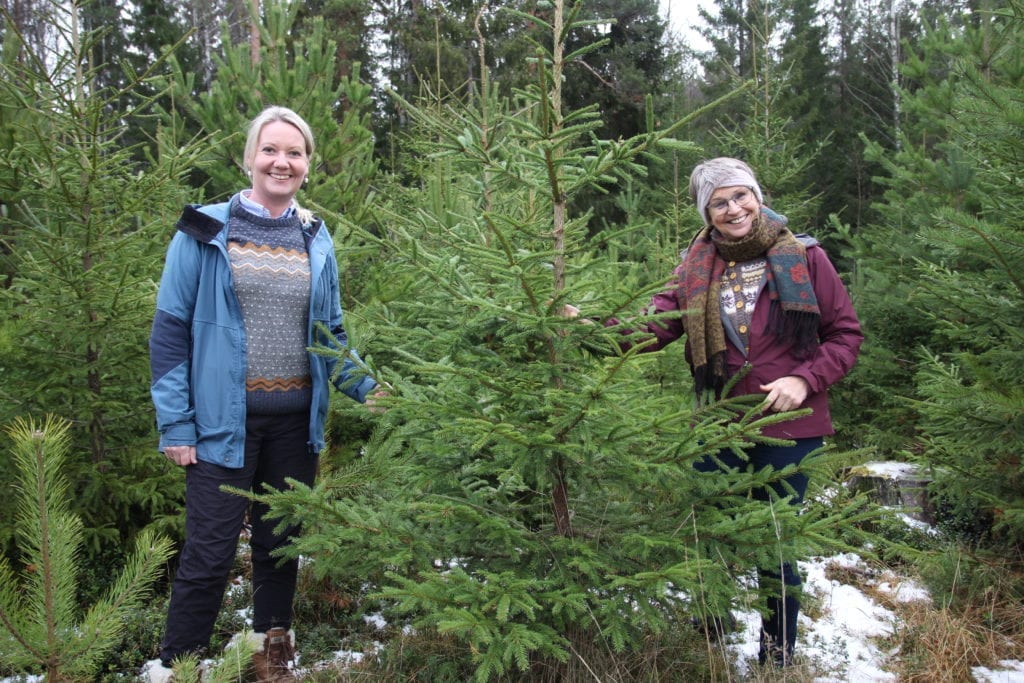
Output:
(778, 628)
(276, 447)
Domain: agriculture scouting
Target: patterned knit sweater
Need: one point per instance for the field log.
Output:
(270, 266)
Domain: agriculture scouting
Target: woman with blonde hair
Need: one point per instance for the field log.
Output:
(240, 399)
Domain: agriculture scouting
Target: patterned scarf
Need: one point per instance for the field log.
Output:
(794, 313)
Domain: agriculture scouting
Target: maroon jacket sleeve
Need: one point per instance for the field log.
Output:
(664, 331)
(839, 334)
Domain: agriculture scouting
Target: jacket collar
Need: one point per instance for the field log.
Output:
(198, 225)
(204, 227)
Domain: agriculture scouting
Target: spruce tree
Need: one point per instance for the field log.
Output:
(941, 291)
(83, 227)
(529, 492)
(971, 289)
(741, 35)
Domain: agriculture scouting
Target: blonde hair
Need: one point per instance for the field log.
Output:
(270, 115)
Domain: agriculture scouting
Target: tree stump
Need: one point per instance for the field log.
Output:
(895, 484)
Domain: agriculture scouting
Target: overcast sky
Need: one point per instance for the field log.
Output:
(682, 15)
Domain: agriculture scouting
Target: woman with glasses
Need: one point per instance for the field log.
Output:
(761, 300)
(765, 309)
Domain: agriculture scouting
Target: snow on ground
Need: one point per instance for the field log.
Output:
(841, 638)
(844, 639)
(846, 635)
(1013, 672)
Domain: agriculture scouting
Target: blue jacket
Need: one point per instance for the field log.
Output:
(198, 342)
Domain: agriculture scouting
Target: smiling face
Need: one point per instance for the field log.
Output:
(279, 164)
(733, 210)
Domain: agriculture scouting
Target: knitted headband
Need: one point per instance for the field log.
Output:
(721, 172)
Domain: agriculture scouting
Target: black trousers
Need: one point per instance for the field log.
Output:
(276, 447)
(778, 628)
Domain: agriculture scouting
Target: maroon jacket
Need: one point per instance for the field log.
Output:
(839, 335)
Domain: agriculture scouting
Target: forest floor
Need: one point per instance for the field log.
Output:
(854, 618)
(861, 622)
(849, 628)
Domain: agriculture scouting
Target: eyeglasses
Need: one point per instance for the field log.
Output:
(720, 205)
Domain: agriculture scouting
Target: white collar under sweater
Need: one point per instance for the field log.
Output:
(258, 209)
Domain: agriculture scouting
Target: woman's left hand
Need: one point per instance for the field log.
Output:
(785, 393)
(372, 401)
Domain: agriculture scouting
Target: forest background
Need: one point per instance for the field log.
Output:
(480, 165)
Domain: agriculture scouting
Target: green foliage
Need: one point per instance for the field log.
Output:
(234, 665)
(530, 492)
(621, 60)
(530, 485)
(948, 266)
(82, 230)
(144, 624)
(959, 578)
(620, 64)
(42, 628)
(140, 640)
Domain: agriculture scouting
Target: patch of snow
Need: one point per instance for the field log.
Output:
(376, 620)
(904, 590)
(348, 656)
(849, 627)
(841, 641)
(890, 468)
(1013, 672)
(917, 524)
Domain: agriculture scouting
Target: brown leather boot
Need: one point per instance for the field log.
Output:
(271, 662)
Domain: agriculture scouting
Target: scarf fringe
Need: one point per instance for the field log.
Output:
(797, 327)
(710, 377)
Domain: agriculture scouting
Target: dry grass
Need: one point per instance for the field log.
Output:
(943, 640)
(943, 644)
(936, 642)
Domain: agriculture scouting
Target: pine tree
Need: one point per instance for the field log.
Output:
(803, 61)
(42, 627)
(432, 49)
(941, 291)
(625, 61)
(156, 28)
(806, 98)
(972, 396)
(351, 28)
(865, 102)
(928, 171)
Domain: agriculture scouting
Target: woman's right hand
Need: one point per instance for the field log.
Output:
(569, 312)
(181, 455)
